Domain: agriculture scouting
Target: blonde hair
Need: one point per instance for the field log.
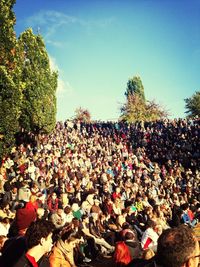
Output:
(33, 198)
(148, 254)
(40, 213)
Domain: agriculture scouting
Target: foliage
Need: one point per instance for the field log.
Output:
(8, 38)
(135, 87)
(27, 85)
(9, 111)
(82, 115)
(39, 96)
(10, 82)
(193, 105)
(155, 112)
(136, 107)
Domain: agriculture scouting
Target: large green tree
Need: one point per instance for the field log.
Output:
(10, 82)
(39, 96)
(193, 105)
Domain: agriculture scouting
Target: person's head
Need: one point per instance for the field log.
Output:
(151, 224)
(33, 198)
(178, 247)
(75, 223)
(67, 210)
(185, 206)
(40, 213)
(14, 189)
(39, 233)
(118, 190)
(130, 236)
(5, 206)
(70, 237)
(126, 225)
(24, 217)
(5, 221)
(7, 186)
(54, 196)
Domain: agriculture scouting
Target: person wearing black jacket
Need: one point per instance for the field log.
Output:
(29, 250)
(39, 242)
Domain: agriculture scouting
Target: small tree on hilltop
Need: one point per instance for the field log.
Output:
(82, 115)
(155, 111)
(193, 105)
(136, 107)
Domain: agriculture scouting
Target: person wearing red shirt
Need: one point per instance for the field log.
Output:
(39, 242)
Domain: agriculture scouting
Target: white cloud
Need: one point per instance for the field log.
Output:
(55, 19)
(63, 86)
(54, 43)
(53, 64)
(51, 21)
(50, 17)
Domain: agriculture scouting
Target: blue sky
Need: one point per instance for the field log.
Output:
(98, 45)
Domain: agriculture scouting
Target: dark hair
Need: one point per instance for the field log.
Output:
(75, 222)
(4, 204)
(69, 234)
(7, 186)
(175, 246)
(37, 230)
(67, 209)
(151, 224)
(129, 236)
(185, 206)
(126, 225)
(5, 220)
(84, 217)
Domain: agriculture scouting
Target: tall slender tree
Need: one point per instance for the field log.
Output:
(10, 82)
(135, 87)
(39, 96)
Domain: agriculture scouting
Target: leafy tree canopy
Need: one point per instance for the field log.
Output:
(136, 107)
(39, 96)
(82, 115)
(193, 105)
(10, 78)
(135, 87)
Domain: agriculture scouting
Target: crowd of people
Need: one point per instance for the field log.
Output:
(98, 189)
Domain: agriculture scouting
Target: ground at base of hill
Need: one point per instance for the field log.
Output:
(103, 261)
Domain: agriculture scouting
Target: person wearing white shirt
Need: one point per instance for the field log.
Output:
(150, 237)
